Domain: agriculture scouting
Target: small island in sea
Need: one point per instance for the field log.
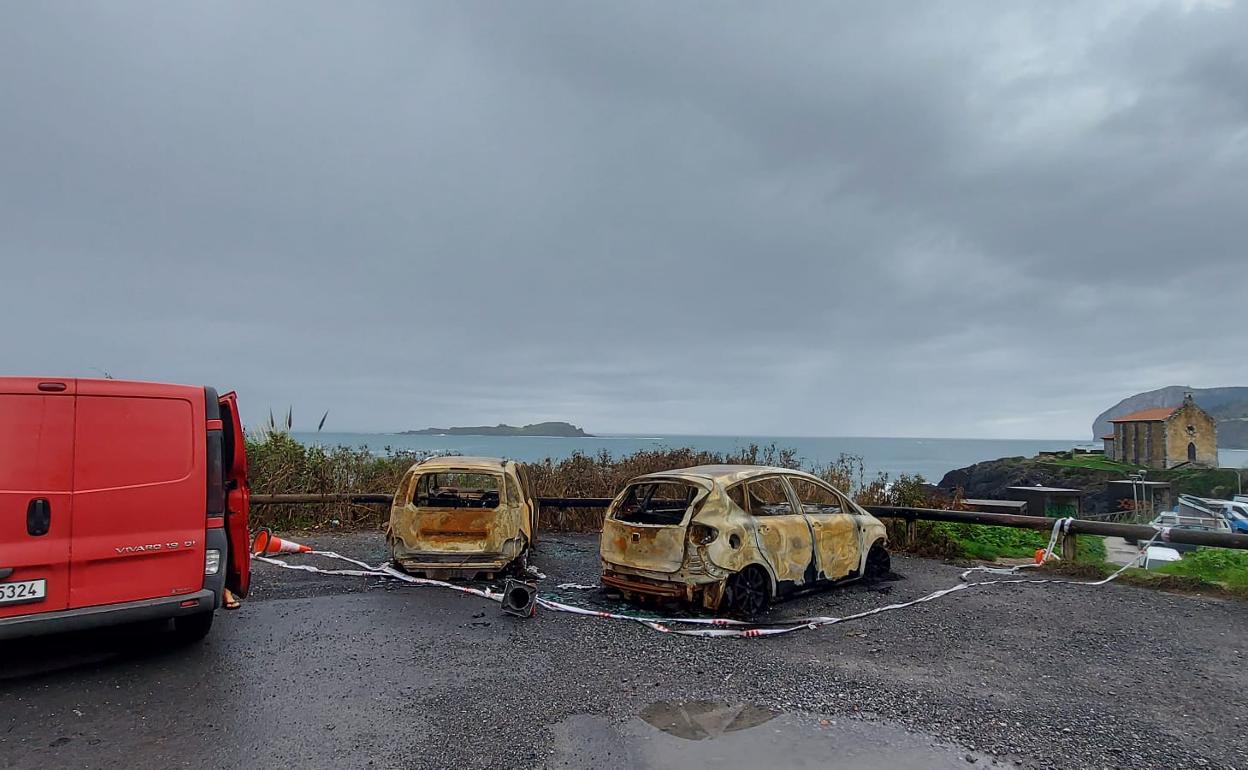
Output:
(556, 429)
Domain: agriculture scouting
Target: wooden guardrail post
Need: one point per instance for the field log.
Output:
(912, 532)
(1069, 547)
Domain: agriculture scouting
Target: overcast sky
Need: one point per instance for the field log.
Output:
(909, 219)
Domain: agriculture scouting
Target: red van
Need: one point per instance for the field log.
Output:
(119, 501)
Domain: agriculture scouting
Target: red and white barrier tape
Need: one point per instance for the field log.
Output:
(719, 627)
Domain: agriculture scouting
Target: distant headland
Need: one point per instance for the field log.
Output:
(556, 429)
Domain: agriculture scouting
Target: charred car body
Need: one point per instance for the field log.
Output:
(735, 537)
(460, 517)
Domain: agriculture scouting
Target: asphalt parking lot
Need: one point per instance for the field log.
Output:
(327, 672)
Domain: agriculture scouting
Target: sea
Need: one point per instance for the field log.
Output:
(929, 457)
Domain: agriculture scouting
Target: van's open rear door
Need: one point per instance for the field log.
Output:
(238, 497)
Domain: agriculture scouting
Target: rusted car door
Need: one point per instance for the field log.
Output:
(519, 509)
(458, 510)
(784, 534)
(645, 527)
(834, 525)
(530, 500)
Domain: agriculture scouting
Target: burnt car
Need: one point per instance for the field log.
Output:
(462, 517)
(735, 537)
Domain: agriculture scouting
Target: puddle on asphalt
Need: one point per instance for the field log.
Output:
(716, 734)
(702, 720)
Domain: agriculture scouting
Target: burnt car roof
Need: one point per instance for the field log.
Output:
(460, 462)
(725, 474)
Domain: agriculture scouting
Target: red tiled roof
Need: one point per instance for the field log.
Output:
(1147, 415)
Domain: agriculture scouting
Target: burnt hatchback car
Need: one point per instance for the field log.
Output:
(460, 517)
(735, 537)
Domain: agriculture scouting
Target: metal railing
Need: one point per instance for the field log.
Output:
(1136, 532)
(366, 498)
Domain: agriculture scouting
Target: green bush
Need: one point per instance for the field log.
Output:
(986, 542)
(1213, 565)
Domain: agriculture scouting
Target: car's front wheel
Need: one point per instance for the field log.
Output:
(749, 592)
(879, 563)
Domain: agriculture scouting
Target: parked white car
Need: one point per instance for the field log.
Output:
(1160, 555)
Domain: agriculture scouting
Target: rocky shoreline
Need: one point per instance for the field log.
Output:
(992, 478)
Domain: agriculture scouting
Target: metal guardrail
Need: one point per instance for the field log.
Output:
(1136, 532)
(328, 497)
(365, 498)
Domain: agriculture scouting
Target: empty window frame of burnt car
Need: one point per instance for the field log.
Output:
(656, 502)
(458, 489)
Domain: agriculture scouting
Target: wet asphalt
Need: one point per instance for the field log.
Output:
(333, 672)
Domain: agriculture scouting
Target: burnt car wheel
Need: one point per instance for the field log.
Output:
(879, 563)
(749, 592)
(519, 567)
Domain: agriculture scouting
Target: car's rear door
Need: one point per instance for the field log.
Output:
(36, 501)
(837, 534)
(140, 492)
(784, 533)
(645, 527)
(238, 496)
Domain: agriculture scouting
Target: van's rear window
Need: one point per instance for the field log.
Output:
(458, 489)
(656, 502)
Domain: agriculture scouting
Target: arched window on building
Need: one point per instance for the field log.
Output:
(1191, 452)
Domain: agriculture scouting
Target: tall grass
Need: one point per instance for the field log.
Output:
(276, 464)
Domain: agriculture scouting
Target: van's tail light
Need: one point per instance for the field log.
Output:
(212, 561)
(216, 475)
(700, 534)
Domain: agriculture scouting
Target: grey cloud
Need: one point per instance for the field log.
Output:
(892, 219)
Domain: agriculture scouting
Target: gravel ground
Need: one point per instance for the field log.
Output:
(325, 672)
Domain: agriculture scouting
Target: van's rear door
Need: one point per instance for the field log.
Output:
(36, 504)
(140, 485)
(238, 497)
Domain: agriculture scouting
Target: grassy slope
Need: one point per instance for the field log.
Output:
(1092, 463)
(1213, 565)
(1203, 482)
(984, 542)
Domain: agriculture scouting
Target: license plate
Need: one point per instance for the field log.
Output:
(23, 591)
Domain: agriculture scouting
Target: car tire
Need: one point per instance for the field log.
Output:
(879, 562)
(749, 592)
(188, 629)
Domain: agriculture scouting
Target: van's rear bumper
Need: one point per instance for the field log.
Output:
(107, 615)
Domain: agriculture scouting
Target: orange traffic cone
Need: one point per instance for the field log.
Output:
(267, 542)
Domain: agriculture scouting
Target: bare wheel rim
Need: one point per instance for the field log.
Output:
(751, 593)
